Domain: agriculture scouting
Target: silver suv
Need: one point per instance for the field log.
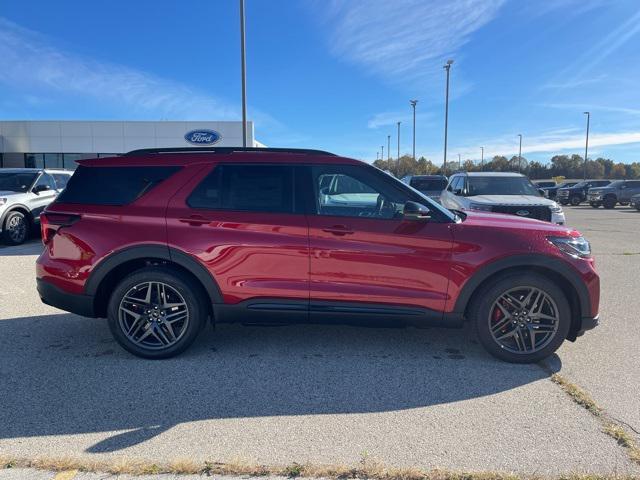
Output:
(24, 193)
(501, 192)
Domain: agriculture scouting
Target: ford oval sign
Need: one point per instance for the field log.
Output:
(202, 137)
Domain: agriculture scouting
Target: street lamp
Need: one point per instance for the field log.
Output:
(482, 159)
(382, 154)
(398, 146)
(447, 67)
(389, 146)
(520, 154)
(244, 76)
(459, 164)
(586, 145)
(413, 104)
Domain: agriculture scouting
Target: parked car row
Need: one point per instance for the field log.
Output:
(24, 194)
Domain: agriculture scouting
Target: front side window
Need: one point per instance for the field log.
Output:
(349, 191)
(255, 188)
(47, 181)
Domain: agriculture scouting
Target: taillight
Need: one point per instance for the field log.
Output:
(50, 223)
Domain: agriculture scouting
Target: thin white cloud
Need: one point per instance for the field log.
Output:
(546, 143)
(385, 119)
(404, 39)
(31, 64)
(592, 108)
(574, 82)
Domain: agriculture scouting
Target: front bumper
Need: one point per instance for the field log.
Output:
(558, 218)
(587, 323)
(69, 302)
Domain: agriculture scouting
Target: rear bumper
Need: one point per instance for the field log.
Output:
(70, 302)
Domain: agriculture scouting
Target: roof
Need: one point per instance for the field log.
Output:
(35, 170)
(491, 174)
(426, 176)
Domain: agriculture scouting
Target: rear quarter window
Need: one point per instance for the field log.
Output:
(112, 185)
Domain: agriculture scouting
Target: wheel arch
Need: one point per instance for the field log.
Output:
(562, 275)
(123, 262)
(17, 207)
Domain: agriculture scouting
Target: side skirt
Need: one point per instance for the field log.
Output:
(285, 312)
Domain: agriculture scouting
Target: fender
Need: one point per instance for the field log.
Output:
(162, 252)
(526, 261)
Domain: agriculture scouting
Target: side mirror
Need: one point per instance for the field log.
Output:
(542, 192)
(457, 191)
(415, 211)
(41, 188)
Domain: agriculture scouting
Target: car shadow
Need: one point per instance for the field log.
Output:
(63, 374)
(30, 247)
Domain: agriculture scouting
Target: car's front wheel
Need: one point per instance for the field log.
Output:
(575, 201)
(609, 202)
(16, 228)
(594, 204)
(521, 318)
(156, 312)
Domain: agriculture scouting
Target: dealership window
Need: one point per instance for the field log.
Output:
(53, 160)
(69, 160)
(34, 160)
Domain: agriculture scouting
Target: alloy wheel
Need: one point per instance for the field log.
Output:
(17, 228)
(153, 315)
(523, 320)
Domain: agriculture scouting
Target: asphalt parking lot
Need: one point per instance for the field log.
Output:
(329, 395)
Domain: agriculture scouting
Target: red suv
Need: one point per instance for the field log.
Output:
(163, 241)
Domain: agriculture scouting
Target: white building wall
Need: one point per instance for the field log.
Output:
(110, 136)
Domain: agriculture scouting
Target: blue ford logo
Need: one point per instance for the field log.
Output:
(522, 213)
(202, 137)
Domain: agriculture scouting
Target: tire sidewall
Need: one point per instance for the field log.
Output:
(184, 285)
(575, 201)
(484, 302)
(609, 203)
(7, 235)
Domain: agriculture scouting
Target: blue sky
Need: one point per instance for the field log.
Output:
(338, 75)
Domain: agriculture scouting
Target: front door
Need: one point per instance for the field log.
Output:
(364, 252)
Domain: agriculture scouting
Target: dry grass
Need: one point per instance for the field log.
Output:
(578, 395)
(624, 439)
(366, 469)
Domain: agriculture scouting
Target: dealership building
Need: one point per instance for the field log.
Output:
(58, 144)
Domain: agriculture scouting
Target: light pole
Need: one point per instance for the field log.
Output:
(459, 164)
(413, 104)
(398, 146)
(586, 145)
(377, 155)
(482, 159)
(244, 76)
(447, 67)
(389, 146)
(382, 154)
(520, 154)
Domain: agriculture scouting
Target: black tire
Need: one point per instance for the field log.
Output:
(594, 204)
(638, 207)
(16, 228)
(609, 202)
(564, 202)
(575, 200)
(191, 294)
(480, 310)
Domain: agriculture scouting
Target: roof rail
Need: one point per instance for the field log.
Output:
(225, 150)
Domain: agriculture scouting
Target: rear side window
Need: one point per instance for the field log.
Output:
(112, 185)
(428, 184)
(255, 188)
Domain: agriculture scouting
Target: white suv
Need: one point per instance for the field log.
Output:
(501, 192)
(24, 194)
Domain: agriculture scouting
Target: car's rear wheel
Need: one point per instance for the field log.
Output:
(16, 228)
(575, 201)
(564, 202)
(156, 312)
(521, 318)
(594, 204)
(609, 202)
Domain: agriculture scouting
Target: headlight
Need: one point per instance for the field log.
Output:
(555, 208)
(480, 206)
(576, 247)
(3, 201)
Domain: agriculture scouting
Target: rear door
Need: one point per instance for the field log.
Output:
(362, 250)
(244, 223)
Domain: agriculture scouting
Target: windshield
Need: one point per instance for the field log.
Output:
(428, 184)
(566, 184)
(500, 186)
(16, 181)
(615, 184)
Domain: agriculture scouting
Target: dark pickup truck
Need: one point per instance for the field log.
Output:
(616, 192)
(578, 193)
